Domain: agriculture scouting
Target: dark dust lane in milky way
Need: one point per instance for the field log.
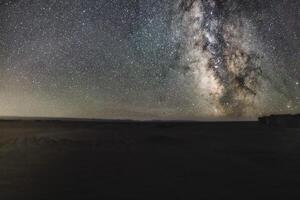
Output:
(219, 46)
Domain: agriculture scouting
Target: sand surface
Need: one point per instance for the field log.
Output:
(93, 160)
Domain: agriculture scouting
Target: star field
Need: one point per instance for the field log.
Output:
(147, 59)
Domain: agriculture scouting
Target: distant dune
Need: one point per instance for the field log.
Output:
(281, 120)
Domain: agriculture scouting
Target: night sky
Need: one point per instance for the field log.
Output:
(149, 59)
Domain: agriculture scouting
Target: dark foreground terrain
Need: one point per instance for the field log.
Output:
(130, 160)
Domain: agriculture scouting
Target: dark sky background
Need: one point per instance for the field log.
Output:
(124, 59)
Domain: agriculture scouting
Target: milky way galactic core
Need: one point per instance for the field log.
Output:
(149, 59)
(221, 50)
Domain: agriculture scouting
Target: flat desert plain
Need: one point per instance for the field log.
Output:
(57, 159)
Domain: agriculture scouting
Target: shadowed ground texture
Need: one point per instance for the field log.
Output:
(131, 160)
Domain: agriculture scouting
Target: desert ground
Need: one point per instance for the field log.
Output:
(147, 160)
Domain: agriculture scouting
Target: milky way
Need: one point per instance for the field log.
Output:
(227, 70)
(149, 59)
(220, 48)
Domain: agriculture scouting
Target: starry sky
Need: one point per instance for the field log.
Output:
(149, 59)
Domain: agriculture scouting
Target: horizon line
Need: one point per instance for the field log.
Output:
(45, 118)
